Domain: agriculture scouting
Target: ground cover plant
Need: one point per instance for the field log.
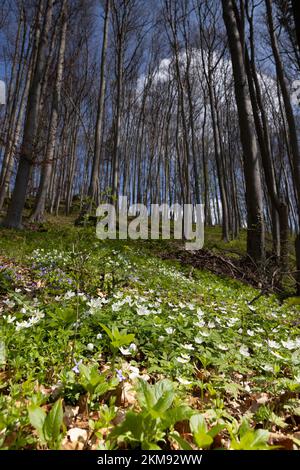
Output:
(132, 131)
(104, 345)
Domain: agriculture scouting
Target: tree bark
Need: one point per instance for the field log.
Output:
(292, 130)
(14, 214)
(254, 193)
(100, 111)
(39, 210)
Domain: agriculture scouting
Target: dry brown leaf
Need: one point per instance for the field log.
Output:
(183, 427)
(277, 439)
(129, 394)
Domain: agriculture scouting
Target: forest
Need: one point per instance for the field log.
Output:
(134, 342)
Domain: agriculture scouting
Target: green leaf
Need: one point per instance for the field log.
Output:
(122, 340)
(95, 377)
(53, 422)
(115, 332)
(261, 438)
(37, 418)
(252, 440)
(107, 331)
(117, 338)
(150, 446)
(232, 389)
(163, 404)
(244, 428)
(214, 431)
(102, 388)
(85, 371)
(278, 421)
(131, 427)
(199, 430)
(182, 442)
(145, 394)
(203, 440)
(198, 424)
(162, 387)
(177, 414)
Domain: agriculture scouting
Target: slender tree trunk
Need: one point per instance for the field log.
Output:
(279, 210)
(100, 111)
(14, 214)
(292, 130)
(18, 108)
(39, 210)
(254, 193)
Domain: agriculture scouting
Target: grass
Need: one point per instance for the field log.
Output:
(105, 332)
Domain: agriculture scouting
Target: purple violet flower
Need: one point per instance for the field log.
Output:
(76, 367)
(120, 376)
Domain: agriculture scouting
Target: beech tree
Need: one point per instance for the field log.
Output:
(38, 213)
(254, 195)
(27, 154)
(163, 102)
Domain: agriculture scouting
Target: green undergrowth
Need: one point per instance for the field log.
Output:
(145, 353)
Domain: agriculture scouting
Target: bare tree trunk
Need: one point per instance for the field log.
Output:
(100, 111)
(71, 169)
(10, 111)
(207, 209)
(120, 32)
(17, 110)
(39, 210)
(254, 194)
(14, 214)
(292, 130)
(279, 211)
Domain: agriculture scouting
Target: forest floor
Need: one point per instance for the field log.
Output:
(122, 344)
